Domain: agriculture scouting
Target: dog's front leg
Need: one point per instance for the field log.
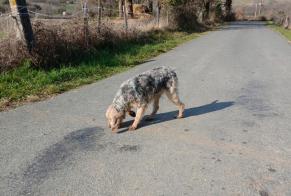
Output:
(139, 114)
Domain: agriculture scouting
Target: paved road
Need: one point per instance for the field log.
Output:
(235, 139)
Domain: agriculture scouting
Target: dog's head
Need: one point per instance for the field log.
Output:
(114, 118)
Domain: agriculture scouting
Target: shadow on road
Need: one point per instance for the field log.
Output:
(167, 116)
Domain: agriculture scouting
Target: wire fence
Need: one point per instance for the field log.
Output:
(60, 38)
(91, 18)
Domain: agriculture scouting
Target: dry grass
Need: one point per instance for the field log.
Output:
(63, 42)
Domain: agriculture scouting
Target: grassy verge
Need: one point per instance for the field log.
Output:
(283, 31)
(29, 84)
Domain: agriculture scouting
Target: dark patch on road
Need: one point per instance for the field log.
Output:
(273, 114)
(129, 148)
(218, 160)
(271, 169)
(245, 130)
(186, 130)
(263, 193)
(254, 104)
(244, 142)
(248, 123)
(255, 100)
(59, 155)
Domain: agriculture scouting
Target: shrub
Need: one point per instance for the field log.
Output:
(184, 18)
(64, 44)
(262, 18)
(12, 53)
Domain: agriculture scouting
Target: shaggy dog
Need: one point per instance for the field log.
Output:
(138, 92)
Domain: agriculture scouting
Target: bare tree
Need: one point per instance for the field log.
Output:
(228, 9)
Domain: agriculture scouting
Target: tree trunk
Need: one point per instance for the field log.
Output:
(228, 7)
(156, 6)
(206, 10)
(120, 7)
(149, 4)
(212, 14)
(130, 8)
(286, 22)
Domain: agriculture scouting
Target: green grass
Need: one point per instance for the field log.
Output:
(283, 31)
(25, 82)
(2, 35)
(70, 7)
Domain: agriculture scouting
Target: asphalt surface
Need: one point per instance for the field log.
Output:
(235, 138)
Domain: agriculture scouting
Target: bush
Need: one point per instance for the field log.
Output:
(184, 17)
(262, 18)
(65, 45)
(12, 53)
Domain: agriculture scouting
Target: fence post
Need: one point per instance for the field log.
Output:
(158, 15)
(120, 7)
(86, 25)
(129, 8)
(260, 7)
(256, 11)
(167, 16)
(286, 22)
(125, 17)
(22, 21)
(99, 15)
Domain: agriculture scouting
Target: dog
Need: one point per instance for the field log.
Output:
(141, 90)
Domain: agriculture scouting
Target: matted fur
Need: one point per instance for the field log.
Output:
(140, 91)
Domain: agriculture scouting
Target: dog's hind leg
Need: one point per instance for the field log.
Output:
(172, 94)
(139, 114)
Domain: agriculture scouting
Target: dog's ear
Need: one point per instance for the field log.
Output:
(132, 113)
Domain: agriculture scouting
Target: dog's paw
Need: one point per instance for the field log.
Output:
(131, 128)
(179, 117)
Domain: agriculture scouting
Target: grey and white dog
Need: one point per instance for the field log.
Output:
(141, 90)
